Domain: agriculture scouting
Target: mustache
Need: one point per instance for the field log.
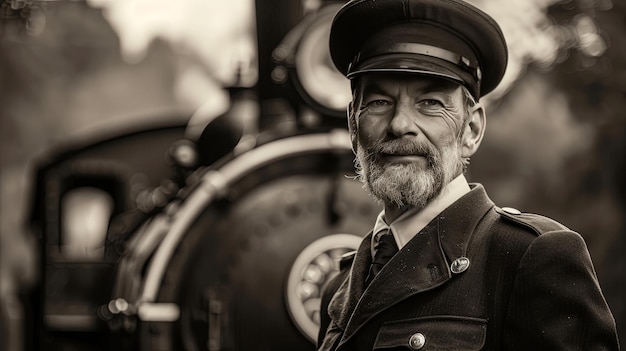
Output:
(404, 147)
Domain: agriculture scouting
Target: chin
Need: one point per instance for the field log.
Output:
(402, 185)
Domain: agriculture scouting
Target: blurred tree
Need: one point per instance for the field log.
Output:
(596, 87)
(591, 72)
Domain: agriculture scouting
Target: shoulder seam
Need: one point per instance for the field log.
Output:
(525, 220)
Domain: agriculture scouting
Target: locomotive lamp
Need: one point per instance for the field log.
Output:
(303, 60)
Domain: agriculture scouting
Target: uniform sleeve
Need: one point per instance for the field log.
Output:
(557, 303)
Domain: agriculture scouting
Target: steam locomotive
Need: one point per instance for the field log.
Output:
(217, 243)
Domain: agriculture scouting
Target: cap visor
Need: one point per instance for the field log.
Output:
(411, 64)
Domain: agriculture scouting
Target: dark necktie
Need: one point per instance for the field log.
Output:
(383, 251)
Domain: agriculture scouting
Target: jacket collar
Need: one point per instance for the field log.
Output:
(423, 264)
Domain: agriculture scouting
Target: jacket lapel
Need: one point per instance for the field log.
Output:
(419, 266)
(347, 296)
(459, 221)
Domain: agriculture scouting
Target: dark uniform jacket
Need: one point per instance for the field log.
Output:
(530, 285)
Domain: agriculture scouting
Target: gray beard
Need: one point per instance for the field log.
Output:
(407, 185)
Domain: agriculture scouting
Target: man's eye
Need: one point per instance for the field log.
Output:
(431, 103)
(378, 105)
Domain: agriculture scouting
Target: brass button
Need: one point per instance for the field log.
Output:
(417, 341)
(511, 210)
(460, 265)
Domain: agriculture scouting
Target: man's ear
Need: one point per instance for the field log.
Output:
(474, 131)
(352, 126)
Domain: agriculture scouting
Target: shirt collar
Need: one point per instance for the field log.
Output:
(411, 222)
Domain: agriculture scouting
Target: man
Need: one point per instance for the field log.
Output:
(444, 268)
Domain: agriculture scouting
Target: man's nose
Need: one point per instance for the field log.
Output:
(403, 122)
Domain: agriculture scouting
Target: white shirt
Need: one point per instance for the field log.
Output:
(411, 222)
